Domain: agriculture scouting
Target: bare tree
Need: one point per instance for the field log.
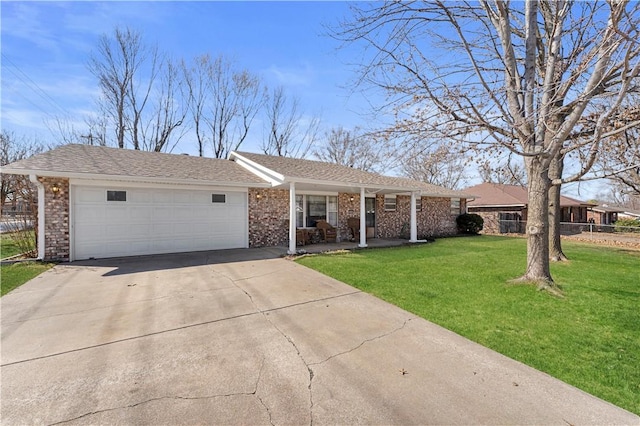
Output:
(12, 148)
(114, 64)
(349, 148)
(139, 88)
(289, 133)
(507, 172)
(198, 86)
(223, 102)
(18, 192)
(166, 112)
(517, 76)
(440, 166)
(621, 159)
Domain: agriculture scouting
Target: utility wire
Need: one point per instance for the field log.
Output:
(28, 81)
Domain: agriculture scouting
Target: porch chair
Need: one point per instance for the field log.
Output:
(302, 236)
(353, 223)
(327, 231)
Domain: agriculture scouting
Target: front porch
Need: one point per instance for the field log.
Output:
(352, 245)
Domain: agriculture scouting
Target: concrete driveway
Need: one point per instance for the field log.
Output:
(245, 337)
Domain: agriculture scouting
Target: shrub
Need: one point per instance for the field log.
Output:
(627, 225)
(470, 223)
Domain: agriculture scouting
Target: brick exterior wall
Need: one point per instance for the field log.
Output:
(491, 223)
(434, 220)
(56, 219)
(268, 217)
(491, 217)
(347, 209)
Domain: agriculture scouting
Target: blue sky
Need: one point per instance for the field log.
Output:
(46, 45)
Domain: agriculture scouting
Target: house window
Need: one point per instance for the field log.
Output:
(312, 208)
(116, 195)
(218, 198)
(389, 203)
(418, 204)
(455, 206)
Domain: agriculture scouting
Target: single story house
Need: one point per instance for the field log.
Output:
(629, 214)
(97, 202)
(504, 207)
(603, 215)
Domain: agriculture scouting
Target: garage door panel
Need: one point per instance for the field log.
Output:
(140, 197)
(236, 211)
(201, 213)
(161, 197)
(141, 213)
(88, 195)
(116, 214)
(90, 231)
(182, 213)
(89, 213)
(236, 198)
(156, 221)
(162, 214)
(141, 230)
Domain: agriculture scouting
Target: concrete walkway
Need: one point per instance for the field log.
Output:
(245, 337)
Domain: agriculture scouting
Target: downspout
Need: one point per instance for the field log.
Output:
(40, 186)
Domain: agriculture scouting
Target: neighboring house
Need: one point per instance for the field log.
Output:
(504, 208)
(603, 215)
(97, 202)
(629, 214)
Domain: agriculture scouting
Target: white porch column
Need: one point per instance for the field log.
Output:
(363, 220)
(414, 223)
(292, 218)
(41, 237)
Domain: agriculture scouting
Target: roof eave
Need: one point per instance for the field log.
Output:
(124, 178)
(375, 187)
(498, 205)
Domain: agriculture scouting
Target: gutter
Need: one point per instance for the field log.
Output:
(137, 179)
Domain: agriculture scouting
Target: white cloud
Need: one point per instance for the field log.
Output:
(299, 76)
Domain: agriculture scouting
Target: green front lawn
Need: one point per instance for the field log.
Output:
(8, 246)
(14, 275)
(590, 338)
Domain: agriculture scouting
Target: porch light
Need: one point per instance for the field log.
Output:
(351, 198)
(55, 188)
(258, 195)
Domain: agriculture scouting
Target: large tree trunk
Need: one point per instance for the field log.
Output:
(538, 224)
(555, 212)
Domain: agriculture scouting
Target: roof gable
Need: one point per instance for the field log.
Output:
(284, 169)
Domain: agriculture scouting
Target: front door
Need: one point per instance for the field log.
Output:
(370, 217)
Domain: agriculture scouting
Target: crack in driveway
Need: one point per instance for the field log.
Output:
(289, 339)
(178, 397)
(395, 330)
(169, 330)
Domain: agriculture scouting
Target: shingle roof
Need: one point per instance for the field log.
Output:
(79, 160)
(494, 194)
(300, 169)
(607, 209)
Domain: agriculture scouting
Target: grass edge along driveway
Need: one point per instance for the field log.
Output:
(14, 275)
(589, 339)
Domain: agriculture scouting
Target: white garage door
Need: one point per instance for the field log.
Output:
(115, 221)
